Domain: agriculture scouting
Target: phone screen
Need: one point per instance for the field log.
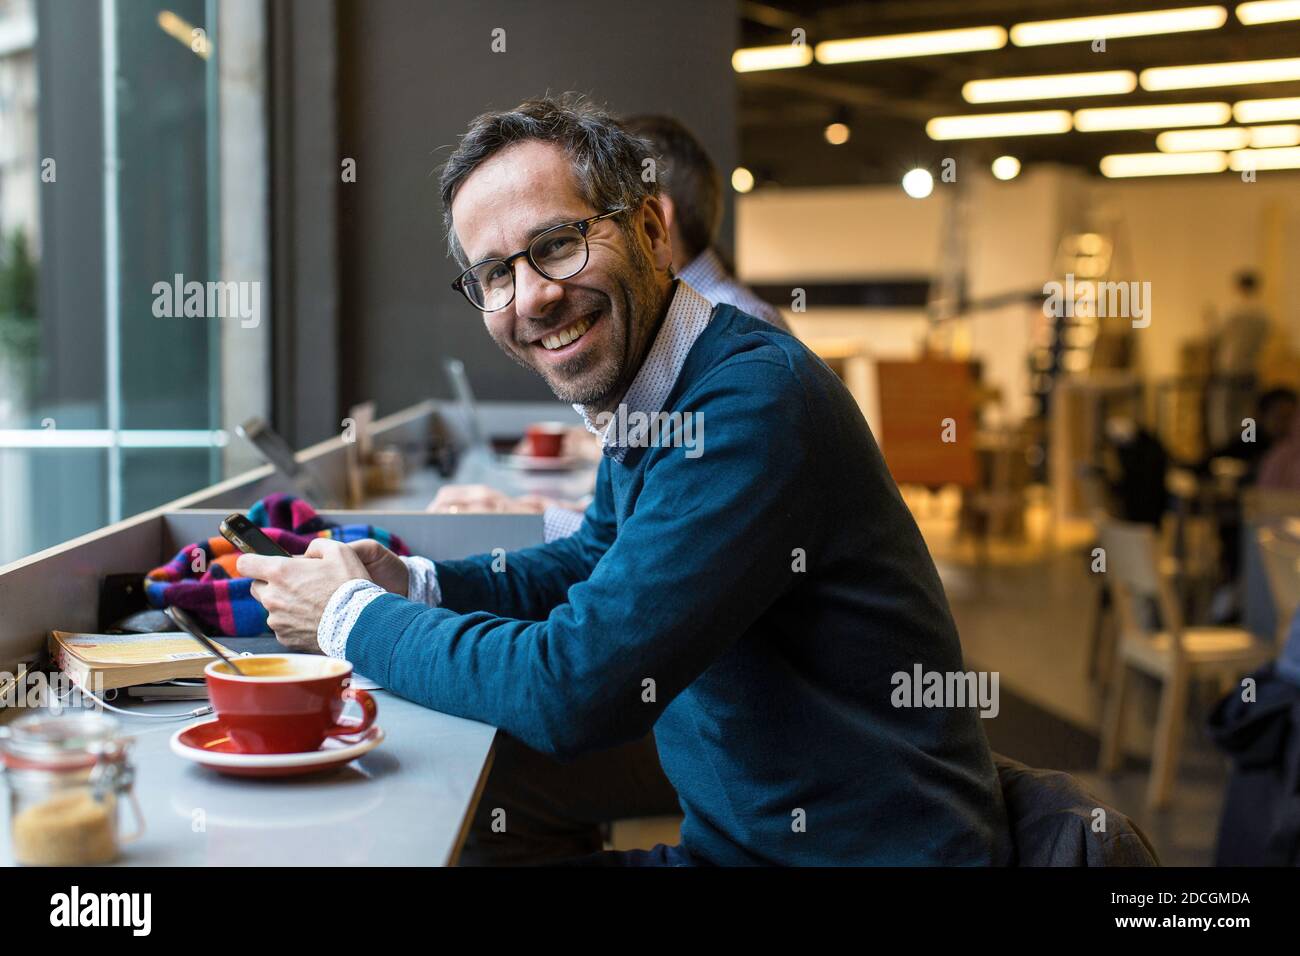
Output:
(249, 538)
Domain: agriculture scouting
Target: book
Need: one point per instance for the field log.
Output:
(169, 691)
(108, 661)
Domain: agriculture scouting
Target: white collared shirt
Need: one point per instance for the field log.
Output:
(710, 278)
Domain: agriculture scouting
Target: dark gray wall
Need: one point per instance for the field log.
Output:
(305, 266)
(70, 131)
(412, 74)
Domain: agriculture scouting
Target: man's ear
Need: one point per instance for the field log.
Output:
(670, 210)
(654, 226)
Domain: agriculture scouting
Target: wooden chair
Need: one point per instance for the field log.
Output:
(1140, 582)
(1281, 556)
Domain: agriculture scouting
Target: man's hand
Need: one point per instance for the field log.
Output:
(382, 566)
(480, 499)
(295, 591)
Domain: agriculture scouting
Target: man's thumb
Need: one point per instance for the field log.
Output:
(367, 549)
(319, 547)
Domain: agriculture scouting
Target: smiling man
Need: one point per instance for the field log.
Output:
(750, 604)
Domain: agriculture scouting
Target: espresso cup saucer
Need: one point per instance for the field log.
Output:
(542, 462)
(207, 743)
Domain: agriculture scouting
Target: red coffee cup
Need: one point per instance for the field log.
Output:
(546, 439)
(286, 703)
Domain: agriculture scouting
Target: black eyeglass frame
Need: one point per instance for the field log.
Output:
(583, 227)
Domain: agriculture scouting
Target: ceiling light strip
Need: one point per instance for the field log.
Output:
(1141, 23)
(898, 46)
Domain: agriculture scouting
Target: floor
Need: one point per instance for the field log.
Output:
(1025, 609)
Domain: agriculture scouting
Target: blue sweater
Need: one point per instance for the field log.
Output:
(750, 605)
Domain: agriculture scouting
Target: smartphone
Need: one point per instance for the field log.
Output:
(249, 538)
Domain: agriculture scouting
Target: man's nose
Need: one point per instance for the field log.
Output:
(534, 293)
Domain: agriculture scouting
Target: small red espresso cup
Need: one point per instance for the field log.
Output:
(286, 703)
(546, 439)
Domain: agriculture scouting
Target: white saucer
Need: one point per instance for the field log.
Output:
(542, 462)
(205, 743)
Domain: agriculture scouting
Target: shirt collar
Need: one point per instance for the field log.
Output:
(688, 315)
(705, 272)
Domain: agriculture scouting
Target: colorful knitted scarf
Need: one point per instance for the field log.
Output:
(201, 578)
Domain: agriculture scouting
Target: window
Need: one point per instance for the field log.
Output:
(132, 257)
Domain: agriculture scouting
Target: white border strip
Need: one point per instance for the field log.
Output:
(106, 438)
(112, 290)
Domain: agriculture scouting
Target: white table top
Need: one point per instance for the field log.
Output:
(408, 802)
(405, 803)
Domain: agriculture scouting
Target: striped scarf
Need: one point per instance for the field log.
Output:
(201, 578)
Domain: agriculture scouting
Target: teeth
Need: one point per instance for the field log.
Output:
(565, 336)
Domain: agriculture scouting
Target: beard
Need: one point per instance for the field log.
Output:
(599, 380)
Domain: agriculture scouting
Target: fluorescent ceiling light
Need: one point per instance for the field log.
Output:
(784, 56)
(1268, 11)
(1151, 117)
(1267, 111)
(1034, 123)
(1200, 140)
(1271, 137)
(1144, 23)
(1228, 138)
(1005, 89)
(1220, 74)
(1245, 159)
(931, 43)
(1125, 165)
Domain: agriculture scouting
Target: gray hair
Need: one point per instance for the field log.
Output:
(607, 160)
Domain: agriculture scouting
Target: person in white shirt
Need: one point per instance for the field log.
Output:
(691, 191)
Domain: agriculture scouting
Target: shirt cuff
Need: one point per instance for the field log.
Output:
(341, 612)
(560, 523)
(422, 586)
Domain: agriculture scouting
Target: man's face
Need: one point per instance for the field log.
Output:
(608, 311)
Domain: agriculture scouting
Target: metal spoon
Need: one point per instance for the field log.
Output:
(191, 627)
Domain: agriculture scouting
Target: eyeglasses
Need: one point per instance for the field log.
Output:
(560, 252)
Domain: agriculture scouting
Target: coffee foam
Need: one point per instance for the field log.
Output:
(279, 667)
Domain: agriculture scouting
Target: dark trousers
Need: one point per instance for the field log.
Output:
(537, 810)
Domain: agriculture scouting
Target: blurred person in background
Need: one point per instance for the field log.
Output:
(1238, 465)
(1274, 413)
(1279, 468)
(1244, 331)
(1236, 359)
(691, 190)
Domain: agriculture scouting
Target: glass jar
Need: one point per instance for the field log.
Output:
(66, 775)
